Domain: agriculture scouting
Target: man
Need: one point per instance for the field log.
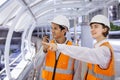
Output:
(58, 66)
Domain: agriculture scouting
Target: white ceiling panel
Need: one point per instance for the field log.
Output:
(43, 11)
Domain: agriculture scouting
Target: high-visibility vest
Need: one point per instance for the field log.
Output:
(60, 69)
(94, 71)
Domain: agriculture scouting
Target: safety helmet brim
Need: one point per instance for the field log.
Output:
(61, 20)
(100, 19)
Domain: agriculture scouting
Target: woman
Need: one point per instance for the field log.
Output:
(100, 59)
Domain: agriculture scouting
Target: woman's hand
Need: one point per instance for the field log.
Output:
(51, 46)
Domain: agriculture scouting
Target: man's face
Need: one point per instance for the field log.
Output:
(56, 31)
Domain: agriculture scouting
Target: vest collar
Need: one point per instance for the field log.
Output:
(101, 42)
(62, 43)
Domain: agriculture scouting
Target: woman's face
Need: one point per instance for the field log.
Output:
(97, 30)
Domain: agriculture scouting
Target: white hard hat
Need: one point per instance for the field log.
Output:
(101, 19)
(61, 20)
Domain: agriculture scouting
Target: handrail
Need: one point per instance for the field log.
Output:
(2, 71)
(11, 63)
(21, 68)
(15, 59)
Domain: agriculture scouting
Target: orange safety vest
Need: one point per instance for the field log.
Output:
(58, 69)
(94, 71)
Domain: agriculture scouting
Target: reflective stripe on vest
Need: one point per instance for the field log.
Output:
(101, 76)
(62, 71)
(70, 63)
(68, 71)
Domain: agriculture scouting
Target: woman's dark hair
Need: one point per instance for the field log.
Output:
(107, 32)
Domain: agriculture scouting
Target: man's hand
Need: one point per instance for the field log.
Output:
(45, 39)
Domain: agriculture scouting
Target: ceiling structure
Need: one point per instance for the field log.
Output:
(43, 11)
